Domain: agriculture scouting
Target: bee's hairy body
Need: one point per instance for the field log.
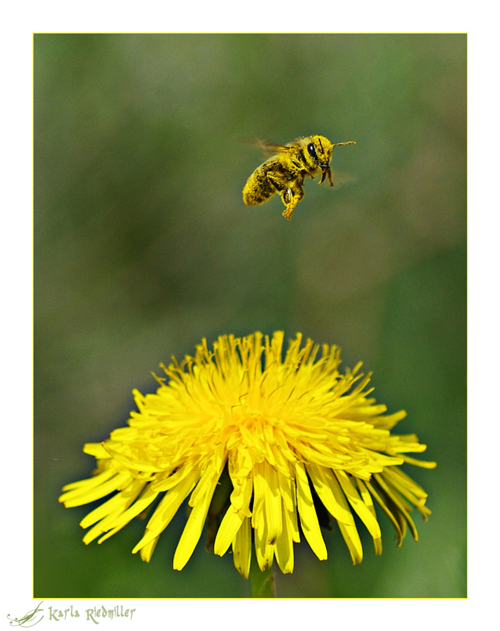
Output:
(284, 172)
(270, 178)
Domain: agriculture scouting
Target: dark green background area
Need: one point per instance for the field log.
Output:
(143, 246)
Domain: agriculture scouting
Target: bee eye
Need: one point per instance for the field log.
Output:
(312, 151)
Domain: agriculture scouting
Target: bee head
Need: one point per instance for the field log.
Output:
(319, 150)
(319, 153)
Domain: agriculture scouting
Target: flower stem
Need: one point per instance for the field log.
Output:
(263, 583)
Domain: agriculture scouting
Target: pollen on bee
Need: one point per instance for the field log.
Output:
(284, 172)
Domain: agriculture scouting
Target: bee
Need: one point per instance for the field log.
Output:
(284, 172)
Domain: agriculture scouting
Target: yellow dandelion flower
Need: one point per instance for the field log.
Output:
(266, 439)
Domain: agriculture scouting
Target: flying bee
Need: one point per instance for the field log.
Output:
(285, 171)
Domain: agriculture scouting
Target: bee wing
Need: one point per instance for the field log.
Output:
(343, 179)
(271, 147)
(268, 147)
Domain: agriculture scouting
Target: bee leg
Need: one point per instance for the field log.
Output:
(328, 173)
(290, 203)
(291, 197)
(284, 188)
(290, 190)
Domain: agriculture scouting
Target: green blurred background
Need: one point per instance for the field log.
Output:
(143, 246)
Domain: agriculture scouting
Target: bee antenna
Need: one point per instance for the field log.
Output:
(342, 144)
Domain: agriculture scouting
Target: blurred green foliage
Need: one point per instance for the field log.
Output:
(143, 246)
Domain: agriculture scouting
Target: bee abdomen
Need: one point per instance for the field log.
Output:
(258, 188)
